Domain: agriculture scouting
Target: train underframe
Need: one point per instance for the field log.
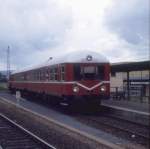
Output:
(83, 102)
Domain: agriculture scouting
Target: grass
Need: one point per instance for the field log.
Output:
(3, 86)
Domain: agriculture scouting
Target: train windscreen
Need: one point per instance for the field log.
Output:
(95, 72)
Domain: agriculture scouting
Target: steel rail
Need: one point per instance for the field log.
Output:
(137, 134)
(33, 136)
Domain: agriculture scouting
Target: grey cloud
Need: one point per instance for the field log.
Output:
(130, 20)
(33, 27)
(30, 26)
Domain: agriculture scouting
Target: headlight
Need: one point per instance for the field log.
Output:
(75, 89)
(103, 88)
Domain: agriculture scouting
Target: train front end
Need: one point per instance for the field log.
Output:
(91, 83)
(90, 80)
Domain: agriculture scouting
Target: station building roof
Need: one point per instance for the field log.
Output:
(130, 66)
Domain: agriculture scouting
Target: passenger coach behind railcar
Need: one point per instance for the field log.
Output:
(80, 77)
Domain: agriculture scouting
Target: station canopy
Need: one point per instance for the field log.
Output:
(130, 66)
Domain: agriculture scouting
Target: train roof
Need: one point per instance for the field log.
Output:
(72, 57)
(81, 57)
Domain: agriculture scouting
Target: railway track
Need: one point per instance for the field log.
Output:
(14, 136)
(121, 128)
(116, 126)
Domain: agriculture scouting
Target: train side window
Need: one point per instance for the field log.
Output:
(43, 74)
(32, 76)
(101, 71)
(77, 72)
(40, 75)
(37, 75)
(51, 74)
(55, 73)
(47, 74)
(62, 72)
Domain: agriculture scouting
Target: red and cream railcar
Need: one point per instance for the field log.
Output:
(75, 77)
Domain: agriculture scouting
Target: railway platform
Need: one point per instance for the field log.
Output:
(135, 111)
(128, 104)
(68, 122)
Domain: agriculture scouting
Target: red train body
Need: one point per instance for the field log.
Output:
(76, 77)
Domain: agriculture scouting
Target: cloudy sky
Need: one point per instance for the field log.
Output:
(38, 29)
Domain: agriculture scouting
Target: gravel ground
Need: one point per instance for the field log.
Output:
(104, 123)
(13, 137)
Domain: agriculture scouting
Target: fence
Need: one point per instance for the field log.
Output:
(136, 93)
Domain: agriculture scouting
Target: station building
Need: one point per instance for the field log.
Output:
(131, 78)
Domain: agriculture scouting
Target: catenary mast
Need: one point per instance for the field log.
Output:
(8, 62)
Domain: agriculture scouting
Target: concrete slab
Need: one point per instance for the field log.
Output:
(130, 105)
(129, 110)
